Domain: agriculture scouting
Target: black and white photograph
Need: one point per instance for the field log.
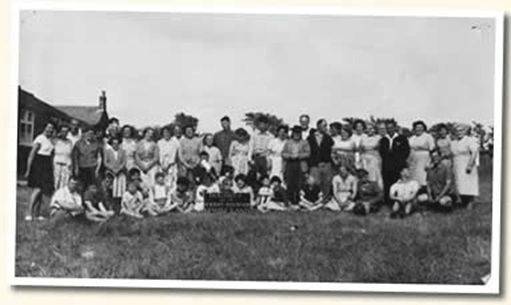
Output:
(308, 150)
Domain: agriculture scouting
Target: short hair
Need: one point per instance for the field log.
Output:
(359, 121)
(146, 130)
(241, 177)
(226, 169)
(203, 154)
(62, 127)
(108, 175)
(418, 123)
(112, 139)
(167, 128)
(159, 175)
(347, 129)
(296, 130)
(283, 127)
(275, 179)
(336, 126)
(206, 135)
(134, 171)
(320, 121)
(132, 130)
(225, 119)
(442, 126)
(113, 119)
(183, 181)
(305, 116)
(188, 126)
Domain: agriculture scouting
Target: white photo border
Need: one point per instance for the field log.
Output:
(491, 287)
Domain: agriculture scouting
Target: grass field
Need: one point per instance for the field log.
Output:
(292, 246)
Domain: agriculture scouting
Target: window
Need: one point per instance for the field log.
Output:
(26, 131)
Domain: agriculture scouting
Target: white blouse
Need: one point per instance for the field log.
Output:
(46, 145)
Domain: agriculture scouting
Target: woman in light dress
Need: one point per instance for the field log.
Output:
(239, 151)
(275, 147)
(370, 156)
(147, 156)
(343, 151)
(129, 145)
(465, 153)
(62, 158)
(421, 144)
(359, 128)
(443, 142)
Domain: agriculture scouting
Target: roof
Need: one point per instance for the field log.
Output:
(92, 115)
(25, 98)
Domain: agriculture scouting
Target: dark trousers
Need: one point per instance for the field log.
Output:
(294, 180)
(323, 174)
(87, 176)
(260, 165)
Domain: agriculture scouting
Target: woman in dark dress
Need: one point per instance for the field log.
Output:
(39, 172)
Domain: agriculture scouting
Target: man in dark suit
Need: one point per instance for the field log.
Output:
(320, 160)
(394, 151)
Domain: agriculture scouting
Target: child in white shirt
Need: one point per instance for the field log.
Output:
(132, 203)
(404, 194)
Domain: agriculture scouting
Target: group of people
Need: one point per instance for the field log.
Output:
(355, 168)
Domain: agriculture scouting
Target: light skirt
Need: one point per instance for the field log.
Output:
(61, 173)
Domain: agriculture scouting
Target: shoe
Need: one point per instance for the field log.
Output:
(28, 218)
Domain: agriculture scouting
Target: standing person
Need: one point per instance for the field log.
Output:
(259, 151)
(113, 130)
(343, 151)
(115, 164)
(359, 128)
(370, 157)
(168, 148)
(224, 138)
(215, 155)
(394, 150)
(39, 173)
(304, 121)
(129, 145)
(275, 147)
(320, 160)
(62, 158)
(421, 144)
(239, 152)
(465, 152)
(87, 156)
(440, 183)
(147, 156)
(443, 142)
(74, 133)
(295, 153)
(190, 147)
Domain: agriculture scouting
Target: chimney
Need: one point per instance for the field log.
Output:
(102, 101)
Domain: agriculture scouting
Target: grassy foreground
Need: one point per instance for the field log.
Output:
(292, 246)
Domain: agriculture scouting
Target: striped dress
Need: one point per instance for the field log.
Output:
(115, 161)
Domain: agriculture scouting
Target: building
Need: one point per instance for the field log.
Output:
(33, 114)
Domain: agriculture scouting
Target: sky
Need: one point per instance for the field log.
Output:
(154, 65)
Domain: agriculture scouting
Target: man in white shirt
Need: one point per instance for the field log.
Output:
(74, 132)
(66, 202)
(304, 121)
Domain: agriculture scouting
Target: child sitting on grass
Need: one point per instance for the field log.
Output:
(278, 200)
(264, 194)
(136, 178)
(159, 197)
(310, 195)
(241, 187)
(182, 198)
(404, 194)
(132, 203)
(95, 200)
(207, 185)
